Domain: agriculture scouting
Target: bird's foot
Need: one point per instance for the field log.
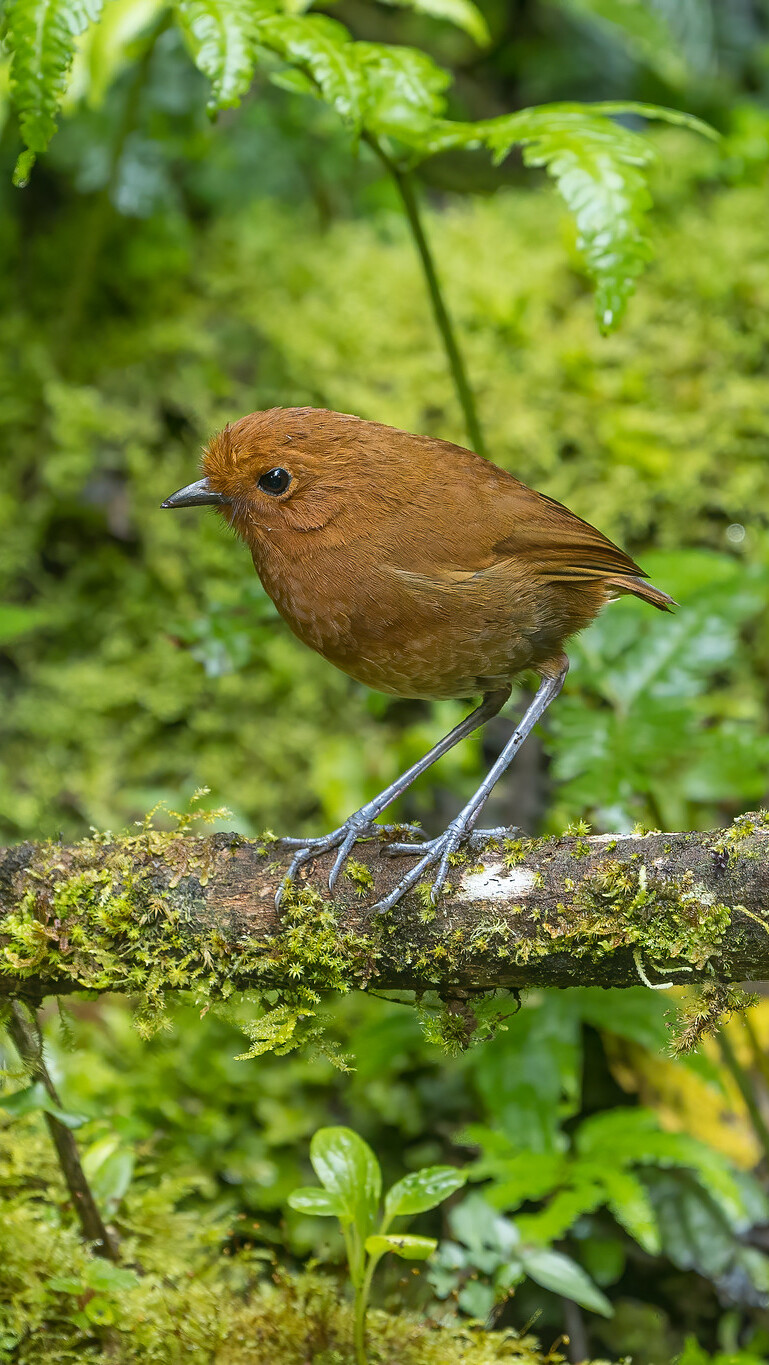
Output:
(434, 851)
(343, 839)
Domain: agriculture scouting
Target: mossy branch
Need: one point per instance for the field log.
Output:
(154, 912)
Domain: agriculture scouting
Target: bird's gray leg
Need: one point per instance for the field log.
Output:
(361, 821)
(440, 850)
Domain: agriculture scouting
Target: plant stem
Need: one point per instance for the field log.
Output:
(746, 1089)
(362, 1292)
(25, 1032)
(405, 186)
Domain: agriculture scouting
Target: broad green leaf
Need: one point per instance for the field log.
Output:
(35, 1098)
(40, 35)
(220, 35)
(109, 1278)
(109, 1168)
(401, 1244)
(422, 1190)
(346, 1166)
(318, 1202)
(322, 49)
(462, 13)
(64, 1284)
(26, 1101)
(553, 1270)
(482, 1229)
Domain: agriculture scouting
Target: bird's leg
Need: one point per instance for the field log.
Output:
(361, 822)
(440, 850)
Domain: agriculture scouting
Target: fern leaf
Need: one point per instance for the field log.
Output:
(322, 50)
(404, 92)
(598, 168)
(220, 35)
(629, 1201)
(40, 35)
(462, 13)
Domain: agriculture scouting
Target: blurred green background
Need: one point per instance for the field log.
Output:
(162, 275)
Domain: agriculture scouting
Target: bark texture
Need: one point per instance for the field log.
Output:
(157, 912)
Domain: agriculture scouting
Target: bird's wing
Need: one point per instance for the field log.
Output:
(561, 544)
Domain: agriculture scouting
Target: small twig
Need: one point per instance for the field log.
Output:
(25, 1032)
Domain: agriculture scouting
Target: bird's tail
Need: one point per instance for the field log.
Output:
(627, 583)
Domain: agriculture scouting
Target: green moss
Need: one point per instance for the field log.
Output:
(360, 875)
(735, 840)
(577, 828)
(516, 851)
(619, 905)
(197, 1299)
(106, 921)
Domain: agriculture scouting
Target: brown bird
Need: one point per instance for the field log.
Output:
(416, 567)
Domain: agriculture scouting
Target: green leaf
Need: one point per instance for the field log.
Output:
(621, 1137)
(629, 1201)
(40, 35)
(322, 49)
(346, 1166)
(462, 13)
(64, 1284)
(16, 621)
(598, 168)
(35, 1098)
(404, 92)
(109, 1278)
(220, 35)
(401, 1244)
(489, 1237)
(313, 1200)
(109, 1168)
(553, 1270)
(422, 1190)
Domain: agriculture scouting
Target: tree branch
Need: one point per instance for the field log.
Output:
(156, 912)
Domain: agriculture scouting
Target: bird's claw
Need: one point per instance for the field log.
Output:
(434, 851)
(343, 839)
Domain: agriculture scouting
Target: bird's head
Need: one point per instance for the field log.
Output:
(289, 470)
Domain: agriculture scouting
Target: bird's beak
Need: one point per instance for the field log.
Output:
(198, 494)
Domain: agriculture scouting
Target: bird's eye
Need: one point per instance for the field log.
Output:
(275, 481)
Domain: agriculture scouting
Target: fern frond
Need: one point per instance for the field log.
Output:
(220, 35)
(598, 168)
(40, 35)
(321, 49)
(404, 91)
